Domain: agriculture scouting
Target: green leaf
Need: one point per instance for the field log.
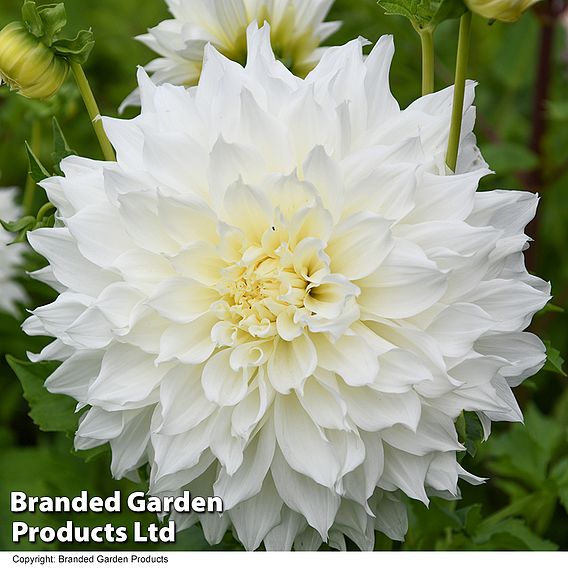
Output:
(448, 10)
(36, 169)
(61, 148)
(551, 309)
(509, 157)
(424, 13)
(16, 226)
(554, 360)
(511, 534)
(51, 412)
(32, 19)
(54, 19)
(560, 475)
(471, 517)
(77, 49)
(558, 110)
(473, 433)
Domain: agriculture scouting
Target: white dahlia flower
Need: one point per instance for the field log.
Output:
(10, 255)
(279, 295)
(297, 30)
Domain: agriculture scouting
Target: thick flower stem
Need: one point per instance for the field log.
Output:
(93, 110)
(459, 91)
(427, 43)
(29, 190)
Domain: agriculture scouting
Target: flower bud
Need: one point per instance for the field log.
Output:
(502, 10)
(28, 65)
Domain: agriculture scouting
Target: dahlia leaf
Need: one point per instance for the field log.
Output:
(17, 226)
(424, 13)
(559, 475)
(61, 147)
(551, 309)
(510, 534)
(473, 433)
(51, 412)
(36, 169)
(554, 361)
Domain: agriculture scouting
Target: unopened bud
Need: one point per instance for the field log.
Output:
(29, 66)
(502, 10)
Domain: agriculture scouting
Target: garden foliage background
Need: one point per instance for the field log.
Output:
(522, 128)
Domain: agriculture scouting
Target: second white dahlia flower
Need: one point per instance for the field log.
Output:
(297, 30)
(280, 296)
(11, 255)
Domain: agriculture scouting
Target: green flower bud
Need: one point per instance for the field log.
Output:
(502, 10)
(29, 66)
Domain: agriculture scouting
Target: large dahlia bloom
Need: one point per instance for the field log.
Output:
(278, 294)
(10, 255)
(297, 30)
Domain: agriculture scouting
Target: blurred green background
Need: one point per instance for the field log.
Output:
(522, 128)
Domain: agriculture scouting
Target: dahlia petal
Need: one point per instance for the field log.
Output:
(316, 503)
(387, 191)
(302, 443)
(525, 353)
(391, 517)
(458, 327)
(187, 219)
(182, 401)
(510, 304)
(247, 481)
(221, 384)
(182, 300)
(127, 379)
(374, 411)
(443, 474)
(360, 484)
(254, 518)
(281, 537)
(406, 284)
(143, 268)
(406, 472)
(435, 432)
(354, 522)
(181, 451)
(508, 210)
(75, 374)
(359, 245)
(324, 406)
(100, 424)
(349, 356)
(69, 266)
(117, 302)
(399, 371)
(227, 447)
(129, 449)
(188, 343)
(250, 411)
(182, 170)
(100, 235)
(247, 209)
(382, 105)
(291, 363)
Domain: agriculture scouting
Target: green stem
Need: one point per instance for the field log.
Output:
(459, 91)
(44, 209)
(29, 190)
(427, 44)
(93, 110)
